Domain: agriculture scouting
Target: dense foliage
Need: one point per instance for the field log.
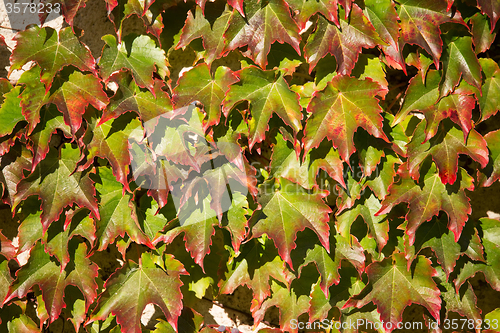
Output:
(319, 152)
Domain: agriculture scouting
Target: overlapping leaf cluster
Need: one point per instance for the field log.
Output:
(279, 161)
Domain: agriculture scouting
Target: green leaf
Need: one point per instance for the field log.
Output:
(378, 226)
(271, 21)
(117, 209)
(52, 51)
(344, 43)
(429, 196)
(139, 55)
(491, 270)
(12, 166)
(444, 149)
(459, 60)
(58, 186)
(254, 267)
(23, 324)
(481, 36)
(199, 85)
(133, 286)
(289, 208)
(52, 280)
(489, 101)
(491, 173)
(339, 110)
(266, 93)
(304, 9)
(10, 111)
(289, 304)
(393, 288)
(75, 94)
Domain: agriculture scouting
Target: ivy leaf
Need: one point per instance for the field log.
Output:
(197, 222)
(254, 267)
(271, 21)
(149, 12)
(289, 208)
(459, 60)
(436, 236)
(490, 175)
(42, 271)
(378, 226)
(4, 277)
(344, 43)
(110, 141)
(444, 149)
(70, 9)
(58, 186)
(464, 304)
(140, 55)
(384, 18)
(304, 9)
(267, 93)
(491, 230)
(12, 166)
(33, 96)
(199, 85)
(338, 110)
(328, 268)
(145, 283)
(51, 121)
(287, 302)
(129, 97)
(426, 199)
(10, 111)
(75, 95)
(118, 215)
(384, 176)
(52, 51)
(481, 36)
(489, 101)
(420, 21)
(213, 35)
(492, 9)
(394, 288)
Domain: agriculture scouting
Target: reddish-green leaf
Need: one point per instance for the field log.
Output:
(489, 176)
(337, 111)
(75, 95)
(492, 9)
(393, 288)
(12, 167)
(345, 43)
(214, 41)
(489, 101)
(52, 51)
(117, 211)
(132, 287)
(459, 60)
(52, 280)
(58, 186)
(33, 96)
(139, 55)
(270, 21)
(304, 9)
(267, 93)
(289, 208)
(129, 97)
(481, 33)
(149, 12)
(444, 149)
(426, 199)
(420, 22)
(199, 85)
(384, 18)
